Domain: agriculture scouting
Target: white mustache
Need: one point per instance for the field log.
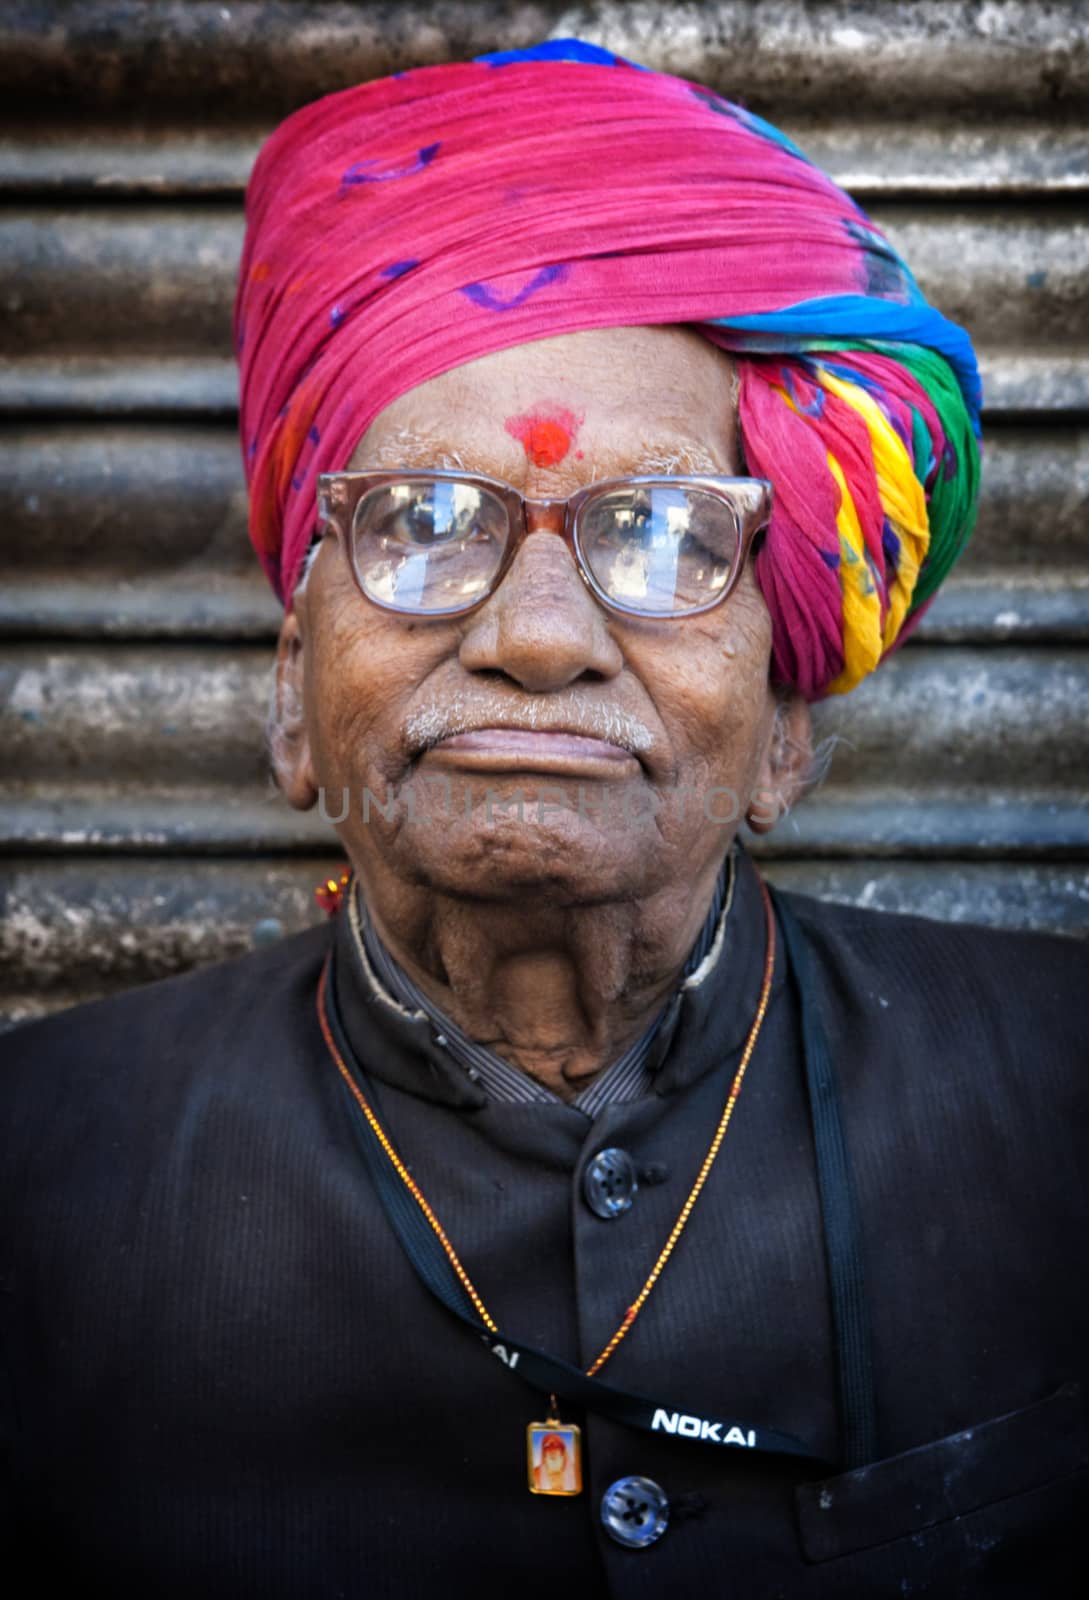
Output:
(574, 713)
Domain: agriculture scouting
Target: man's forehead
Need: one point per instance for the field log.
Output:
(604, 401)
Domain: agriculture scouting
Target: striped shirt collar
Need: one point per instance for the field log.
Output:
(630, 1077)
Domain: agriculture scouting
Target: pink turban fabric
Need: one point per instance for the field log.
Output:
(418, 222)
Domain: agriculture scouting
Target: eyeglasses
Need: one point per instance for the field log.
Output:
(438, 544)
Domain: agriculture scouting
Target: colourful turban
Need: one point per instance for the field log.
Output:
(404, 227)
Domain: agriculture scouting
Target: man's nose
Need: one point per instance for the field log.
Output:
(542, 627)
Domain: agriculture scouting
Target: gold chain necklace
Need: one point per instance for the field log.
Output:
(664, 1254)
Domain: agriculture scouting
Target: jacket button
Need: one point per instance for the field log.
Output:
(609, 1183)
(635, 1512)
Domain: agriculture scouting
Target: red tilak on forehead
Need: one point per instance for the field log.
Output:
(546, 434)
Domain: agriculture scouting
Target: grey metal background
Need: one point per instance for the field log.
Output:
(139, 831)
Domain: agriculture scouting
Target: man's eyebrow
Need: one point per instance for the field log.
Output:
(679, 458)
(407, 448)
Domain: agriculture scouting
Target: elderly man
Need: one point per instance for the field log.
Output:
(592, 433)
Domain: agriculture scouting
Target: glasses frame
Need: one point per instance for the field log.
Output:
(339, 493)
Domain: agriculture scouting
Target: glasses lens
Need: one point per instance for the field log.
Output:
(428, 544)
(659, 548)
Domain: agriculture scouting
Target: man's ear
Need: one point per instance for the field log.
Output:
(288, 737)
(785, 772)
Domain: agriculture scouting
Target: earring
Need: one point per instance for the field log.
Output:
(764, 813)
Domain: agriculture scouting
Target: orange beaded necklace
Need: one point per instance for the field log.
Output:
(685, 1212)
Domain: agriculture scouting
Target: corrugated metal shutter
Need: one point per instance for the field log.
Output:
(140, 830)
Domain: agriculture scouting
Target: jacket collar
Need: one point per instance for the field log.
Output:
(708, 1018)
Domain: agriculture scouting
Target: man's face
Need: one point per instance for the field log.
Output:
(618, 734)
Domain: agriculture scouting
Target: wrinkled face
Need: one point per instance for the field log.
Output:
(540, 743)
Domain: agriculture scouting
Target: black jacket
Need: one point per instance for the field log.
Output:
(227, 1380)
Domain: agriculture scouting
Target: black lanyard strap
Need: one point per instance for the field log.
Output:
(839, 1211)
(547, 1373)
(543, 1372)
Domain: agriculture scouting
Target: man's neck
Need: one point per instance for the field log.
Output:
(559, 992)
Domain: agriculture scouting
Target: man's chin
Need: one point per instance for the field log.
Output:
(547, 850)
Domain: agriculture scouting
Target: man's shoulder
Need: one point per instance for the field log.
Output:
(200, 1012)
(936, 949)
(1011, 986)
(112, 1111)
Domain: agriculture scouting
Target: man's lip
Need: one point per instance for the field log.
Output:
(532, 749)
